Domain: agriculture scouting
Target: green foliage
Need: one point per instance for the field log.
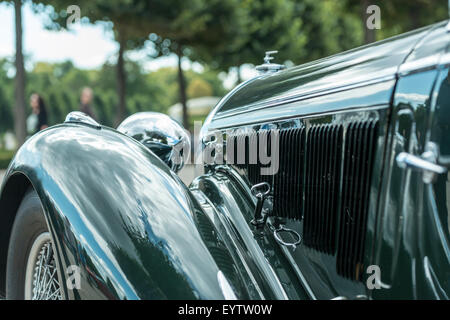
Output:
(60, 86)
(6, 97)
(5, 158)
(255, 27)
(329, 29)
(6, 114)
(199, 88)
(398, 16)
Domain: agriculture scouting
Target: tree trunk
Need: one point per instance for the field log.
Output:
(414, 18)
(121, 82)
(19, 108)
(239, 74)
(369, 34)
(182, 89)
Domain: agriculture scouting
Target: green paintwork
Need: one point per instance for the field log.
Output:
(117, 211)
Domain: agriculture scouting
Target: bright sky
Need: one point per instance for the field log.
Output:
(87, 46)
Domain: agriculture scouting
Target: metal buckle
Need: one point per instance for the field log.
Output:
(260, 190)
(293, 245)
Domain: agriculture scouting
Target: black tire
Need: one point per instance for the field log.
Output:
(28, 225)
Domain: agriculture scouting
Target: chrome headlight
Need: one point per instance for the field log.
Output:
(161, 134)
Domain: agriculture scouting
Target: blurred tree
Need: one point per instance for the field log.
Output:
(6, 116)
(60, 85)
(328, 27)
(6, 86)
(398, 16)
(19, 93)
(187, 26)
(301, 30)
(263, 25)
(199, 88)
(185, 22)
(405, 15)
(128, 31)
(359, 8)
(20, 124)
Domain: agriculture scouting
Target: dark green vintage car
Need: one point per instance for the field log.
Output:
(323, 181)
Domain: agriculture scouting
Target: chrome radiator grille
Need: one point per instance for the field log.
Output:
(322, 176)
(323, 179)
(288, 182)
(358, 166)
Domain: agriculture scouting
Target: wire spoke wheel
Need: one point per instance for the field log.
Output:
(41, 278)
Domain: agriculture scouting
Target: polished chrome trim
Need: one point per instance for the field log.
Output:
(339, 298)
(260, 258)
(225, 286)
(42, 281)
(299, 97)
(426, 163)
(416, 67)
(426, 63)
(205, 202)
(406, 160)
(292, 245)
(298, 272)
(302, 116)
(82, 118)
(256, 189)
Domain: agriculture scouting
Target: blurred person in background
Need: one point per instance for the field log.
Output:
(86, 99)
(37, 120)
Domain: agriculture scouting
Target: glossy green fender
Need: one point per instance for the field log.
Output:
(119, 214)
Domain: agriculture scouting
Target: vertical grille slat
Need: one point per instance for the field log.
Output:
(308, 190)
(287, 181)
(358, 165)
(334, 195)
(354, 267)
(315, 193)
(326, 188)
(308, 229)
(287, 173)
(319, 213)
(351, 226)
(346, 194)
(328, 191)
(369, 142)
(277, 183)
(322, 187)
(300, 170)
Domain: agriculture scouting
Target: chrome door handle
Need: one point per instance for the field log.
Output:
(406, 160)
(426, 163)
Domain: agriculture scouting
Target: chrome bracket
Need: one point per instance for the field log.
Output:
(263, 204)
